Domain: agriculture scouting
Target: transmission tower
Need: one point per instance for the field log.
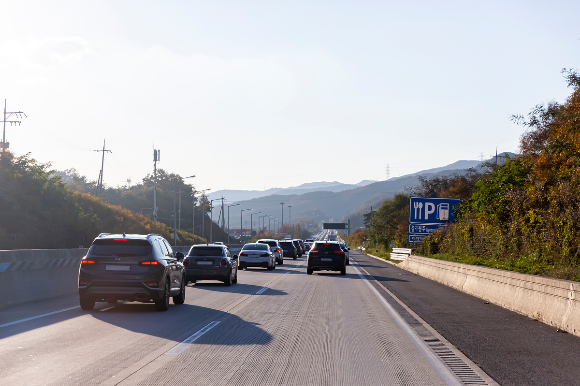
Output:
(7, 114)
(100, 182)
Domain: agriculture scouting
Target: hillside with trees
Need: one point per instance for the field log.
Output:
(38, 210)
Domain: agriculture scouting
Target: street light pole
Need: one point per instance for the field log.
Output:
(229, 220)
(263, 220)
(282, 226)
(242, 224)
(211, 217)
(251, 223)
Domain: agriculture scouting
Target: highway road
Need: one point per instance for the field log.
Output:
(280, 327)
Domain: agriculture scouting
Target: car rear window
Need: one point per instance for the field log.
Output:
(286, 243)
(205, 251)
(270, 243)
(120, 247)
(255, 247)
(322, 247)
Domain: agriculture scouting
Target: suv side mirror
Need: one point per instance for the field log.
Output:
(348, 249)
(235, 256)
(179, 256)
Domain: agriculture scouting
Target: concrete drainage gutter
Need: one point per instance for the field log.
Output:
(548, 300)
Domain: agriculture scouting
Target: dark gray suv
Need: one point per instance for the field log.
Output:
(140, 268)
(211, 262)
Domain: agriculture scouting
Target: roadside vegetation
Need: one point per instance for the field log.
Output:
(39, 210)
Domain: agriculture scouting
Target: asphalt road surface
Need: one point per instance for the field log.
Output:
(280, 327)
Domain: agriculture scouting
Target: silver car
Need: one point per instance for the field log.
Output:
(275, 248)
(257, 255)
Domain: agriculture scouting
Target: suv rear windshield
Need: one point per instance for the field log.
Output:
(120, 247)
(205, 251)
(322, 247)
(286, 244)
(255, 247)
(270, 243)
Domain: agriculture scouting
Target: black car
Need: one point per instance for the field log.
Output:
(140, 268)
(326, 257)
(211, 262)
(298, 248)
(289, 249)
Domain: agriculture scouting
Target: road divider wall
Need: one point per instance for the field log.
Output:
(29, 275)
(548, 300)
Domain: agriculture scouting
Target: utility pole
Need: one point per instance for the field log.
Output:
(156, 158)
(100, 182)
(174, 216)
(19, 114)
(290, 215)
(388, 172)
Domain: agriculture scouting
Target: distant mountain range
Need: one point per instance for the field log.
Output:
(243, 195)
(330, 202)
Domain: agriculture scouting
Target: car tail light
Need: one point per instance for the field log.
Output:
(83, 283)
(223, 263)
(151, 284)
(186, 262)
(119, 239)
(88, 262)
(154, 262)
(339, 252)
(313, 251)
(264, 255)
(243, 254)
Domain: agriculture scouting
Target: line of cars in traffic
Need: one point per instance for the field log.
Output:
(145, 268)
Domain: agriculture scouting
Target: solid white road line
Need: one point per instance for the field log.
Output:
(183, 345)
(439, 366)
(36, 317)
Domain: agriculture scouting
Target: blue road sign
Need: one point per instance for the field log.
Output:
(427, 214)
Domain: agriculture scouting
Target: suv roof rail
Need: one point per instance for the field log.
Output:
(152, 234)
(104, 234)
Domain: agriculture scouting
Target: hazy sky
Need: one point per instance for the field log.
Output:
(261, 94)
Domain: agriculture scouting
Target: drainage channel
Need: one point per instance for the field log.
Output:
(463, 368)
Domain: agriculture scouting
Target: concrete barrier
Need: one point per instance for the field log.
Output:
(551, 301)
(29, 275)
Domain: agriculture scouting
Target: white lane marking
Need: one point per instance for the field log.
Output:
(261, 291)
(39, 316)
(439, 366)
(107, 309)
(183, 345)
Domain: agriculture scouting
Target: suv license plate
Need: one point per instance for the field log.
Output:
(205, 262)
(326, 259)
(118, 268)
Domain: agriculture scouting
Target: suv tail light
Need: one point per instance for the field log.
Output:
(223, 263)
(186, 262)
(151, 284)
(87, 262)
(154, 262)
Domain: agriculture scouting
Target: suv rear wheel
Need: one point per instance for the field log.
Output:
(228, 281)
(163, 303)
(87, 304)
(180, 299)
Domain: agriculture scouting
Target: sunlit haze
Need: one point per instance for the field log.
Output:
(262, 94)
